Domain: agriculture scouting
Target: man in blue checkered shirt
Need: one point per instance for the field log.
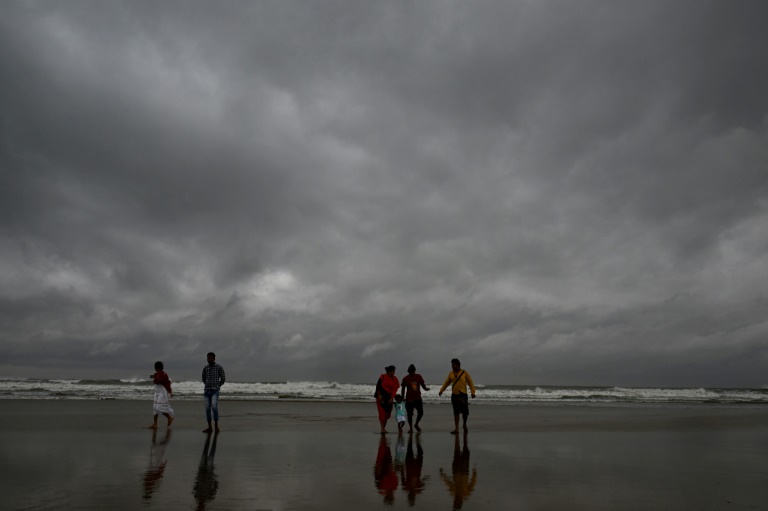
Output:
(213, 378)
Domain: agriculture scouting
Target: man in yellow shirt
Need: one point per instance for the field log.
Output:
(459, 380)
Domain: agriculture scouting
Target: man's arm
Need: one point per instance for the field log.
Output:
(402, 387)
(470, 382)
(203, 374)
(447, 381)
(424, 385)
(223, 378)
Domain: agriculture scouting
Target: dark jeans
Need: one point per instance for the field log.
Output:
(211, 403)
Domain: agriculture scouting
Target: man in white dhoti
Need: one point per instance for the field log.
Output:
(163, 394)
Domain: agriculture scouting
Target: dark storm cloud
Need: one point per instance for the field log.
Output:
(556, 192)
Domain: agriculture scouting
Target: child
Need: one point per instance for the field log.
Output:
(400, 412)
(162, 394)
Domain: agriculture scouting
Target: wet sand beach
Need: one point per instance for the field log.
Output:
(319, 455)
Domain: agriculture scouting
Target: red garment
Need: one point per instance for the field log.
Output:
(384, 474)
(390, 384)
(386, 388)
(385, 410)
(161, 378)
(412, 384)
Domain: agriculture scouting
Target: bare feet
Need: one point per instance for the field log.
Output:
(152, 426)
(217, 429)
(455, 432)
(170, 421)
(410, 430)
(418, 428)
(207, 430)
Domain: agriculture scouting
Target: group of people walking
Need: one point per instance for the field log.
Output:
(405, 397)
(213, 378)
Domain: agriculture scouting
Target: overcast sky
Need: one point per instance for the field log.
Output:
(556, 192)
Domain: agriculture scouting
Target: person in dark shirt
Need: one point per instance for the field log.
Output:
(213, 378)
(411, 390)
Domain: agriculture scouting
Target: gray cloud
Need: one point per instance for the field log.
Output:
(555, 192)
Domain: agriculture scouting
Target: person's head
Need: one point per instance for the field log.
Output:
(411, 369)
(455, 364)
(211, 357)
(390, 370)
(158, 366)
(398, 397)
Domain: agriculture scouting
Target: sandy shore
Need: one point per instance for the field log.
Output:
(289, 455)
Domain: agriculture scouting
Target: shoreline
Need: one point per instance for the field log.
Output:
(515, 417)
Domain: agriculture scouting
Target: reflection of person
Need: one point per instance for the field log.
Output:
(384, 476)
(386, 388)
(400, 454)
(213, 378)
(412, 482)
(206, 482)
(458, 379)
(163, 393)
(411, 387)
(460, 486)
(399, 412)
(157, 462)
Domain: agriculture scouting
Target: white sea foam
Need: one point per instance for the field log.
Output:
(135, 388)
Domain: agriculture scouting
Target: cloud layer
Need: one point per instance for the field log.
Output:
(555, 192)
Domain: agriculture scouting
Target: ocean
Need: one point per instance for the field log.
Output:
(332, 391)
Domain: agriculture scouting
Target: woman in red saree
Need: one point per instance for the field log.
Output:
(386, 388)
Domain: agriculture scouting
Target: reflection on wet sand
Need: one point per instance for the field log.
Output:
(206, 482)
(412, 482)
(157, 462)
(400, 454)
(459, 485)
(384, 475)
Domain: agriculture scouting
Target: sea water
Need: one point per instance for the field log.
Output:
(335, 391)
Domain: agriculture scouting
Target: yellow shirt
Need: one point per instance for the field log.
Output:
(462, 381)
